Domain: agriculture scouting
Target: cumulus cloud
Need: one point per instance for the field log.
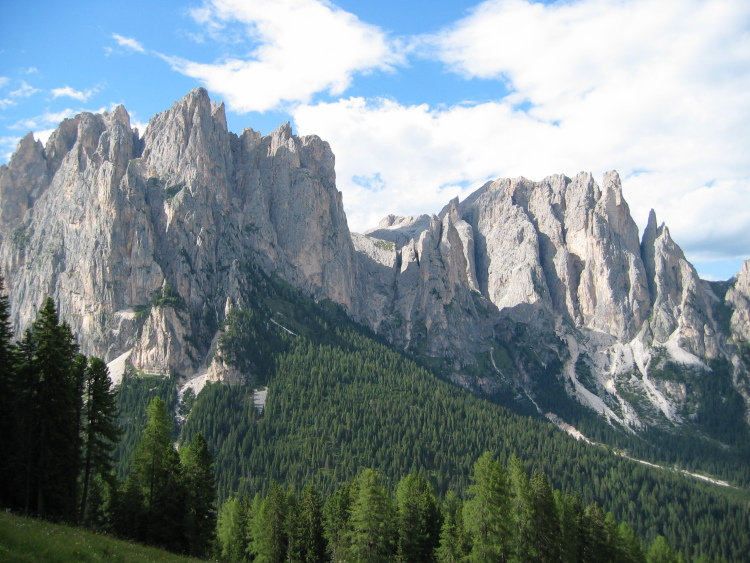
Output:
(24, 91)
(656, 89)
(80, 95)
(298, 48)
(128, 43)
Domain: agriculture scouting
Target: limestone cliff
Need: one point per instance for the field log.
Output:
(108, 223)
(148, 242)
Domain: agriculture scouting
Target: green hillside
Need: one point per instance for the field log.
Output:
(28, 540)
(340, 400)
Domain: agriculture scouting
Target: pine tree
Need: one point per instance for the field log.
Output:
(199, 483)
(453, 541)
(269, 541)
(570, 515)
(55, 374)
(545, 525)
(661, 552)
(371, 535)
(336, 512)
(486, 513)
(312, 541)
(99, 428)
(156, 475)
(524, 547)
(231, 528)
(10, 390)
(629, 545)
(418, 519)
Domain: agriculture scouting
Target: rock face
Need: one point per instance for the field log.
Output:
(147, 243)
(106, 223)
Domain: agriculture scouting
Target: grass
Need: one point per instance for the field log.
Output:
(24, 539)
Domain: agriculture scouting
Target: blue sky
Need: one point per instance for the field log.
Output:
(423, 101)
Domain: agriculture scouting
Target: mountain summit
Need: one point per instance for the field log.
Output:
(148, 243)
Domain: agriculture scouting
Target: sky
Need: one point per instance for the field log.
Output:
(426, 100)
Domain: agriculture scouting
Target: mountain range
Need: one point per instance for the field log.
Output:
(531, 291)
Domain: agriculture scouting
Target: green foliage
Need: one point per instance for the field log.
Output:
(173, 190)
(166, 296)
(371, 534)
(486, 513)
(135, 394)
(29, 540)
(200, 489)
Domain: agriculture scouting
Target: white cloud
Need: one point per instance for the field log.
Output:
(44, 120)
(24, 91)
(656, 89)
(128, 43)
(5, 103)
(300, 48)
(80, 95)
(3, 81)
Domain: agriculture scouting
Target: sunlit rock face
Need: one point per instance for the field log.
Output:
(146, 243)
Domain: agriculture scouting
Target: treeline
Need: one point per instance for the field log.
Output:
(168, 497)
(56, 419)
(58, 432)
(334, 410)
(506, 516)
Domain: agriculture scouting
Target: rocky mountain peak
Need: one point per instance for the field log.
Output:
(148, 243)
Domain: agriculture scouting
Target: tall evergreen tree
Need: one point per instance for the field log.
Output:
(545, 525)
(270, 540)
(524, 548)
(570, 515)
(156, 475)
(336, 523)
(312, 541)
(453, 541)
(55, 375)
(10, 389)
(199, 483)
(99, 428)
(371, 535)
(231, 529)
(661, 552)
(418, 519)
(487, 512)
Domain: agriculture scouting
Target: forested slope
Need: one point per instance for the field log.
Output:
(340, 401)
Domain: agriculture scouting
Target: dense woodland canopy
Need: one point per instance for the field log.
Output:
(360, 454)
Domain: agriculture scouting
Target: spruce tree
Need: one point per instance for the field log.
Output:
(336, 512)
(199, 483)
(99, 428)
(269, 541)
(524, 548)
(487, 512)
(418, 519)
(453, 541)
(10, 468)
(312, 541)
(55, 375)
(545, 525)
(371, 533)
(231, 529)
(155, 474)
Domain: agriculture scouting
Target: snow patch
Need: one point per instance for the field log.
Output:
(259, 398)
(117, 368)
(681, 355)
